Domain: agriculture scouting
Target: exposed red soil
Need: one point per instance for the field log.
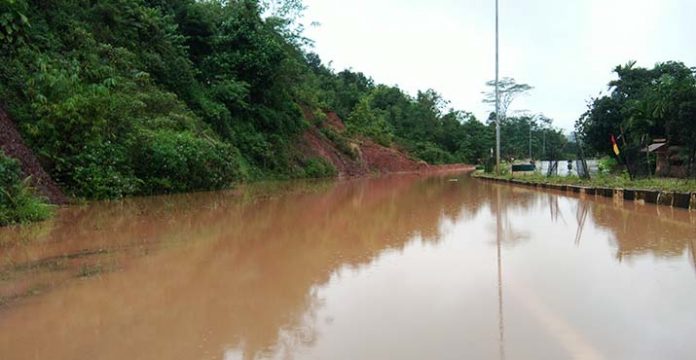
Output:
(315, 144)
(12, 144)
(382, 159)
(370, 156)
(334, 121)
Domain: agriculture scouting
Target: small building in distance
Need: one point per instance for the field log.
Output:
(668, 159)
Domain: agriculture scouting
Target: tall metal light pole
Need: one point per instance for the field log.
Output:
(530, 140)
(497, 97)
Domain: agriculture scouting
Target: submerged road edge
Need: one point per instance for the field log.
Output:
(683, 200)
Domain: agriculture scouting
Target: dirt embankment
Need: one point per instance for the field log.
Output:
(359, 157)
(12, 144)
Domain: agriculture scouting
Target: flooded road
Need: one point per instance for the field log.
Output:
(401, 267)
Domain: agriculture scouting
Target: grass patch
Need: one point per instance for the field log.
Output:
(18, 203)
(610, 181)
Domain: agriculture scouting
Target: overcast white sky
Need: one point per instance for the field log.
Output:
(566, 49)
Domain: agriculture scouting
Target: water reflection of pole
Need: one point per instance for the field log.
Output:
(693, 252)
(581, 217)
(498, 237)
(553, 207)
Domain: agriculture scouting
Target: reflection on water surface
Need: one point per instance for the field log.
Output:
(403, 267)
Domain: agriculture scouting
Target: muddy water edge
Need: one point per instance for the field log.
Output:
(436, 266)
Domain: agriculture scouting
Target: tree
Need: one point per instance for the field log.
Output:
(643, 104)
(284, 16)
(508, 91)
(365, 120)
(476, 142)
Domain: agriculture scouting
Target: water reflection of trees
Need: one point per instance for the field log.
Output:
(636, 229)
(240, 263)
(239, 268)
(646, 229)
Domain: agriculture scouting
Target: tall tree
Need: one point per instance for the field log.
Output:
(508, 91)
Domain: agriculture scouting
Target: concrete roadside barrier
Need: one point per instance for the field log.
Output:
(683, 200)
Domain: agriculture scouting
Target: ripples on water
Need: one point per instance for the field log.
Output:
(402, 267)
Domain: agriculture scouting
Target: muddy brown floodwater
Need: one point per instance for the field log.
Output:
(399, 267)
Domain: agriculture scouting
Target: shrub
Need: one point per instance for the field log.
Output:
(318, 117)
(103, 171)
(339, 141)
(13, 23)
(169, 161)
(370, 122)
(431, 153)
(607, 165)
(18, 204)
(319, 168)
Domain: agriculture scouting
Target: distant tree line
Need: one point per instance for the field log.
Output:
(427, 127)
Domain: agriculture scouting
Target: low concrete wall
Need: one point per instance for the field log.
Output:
(664, 198)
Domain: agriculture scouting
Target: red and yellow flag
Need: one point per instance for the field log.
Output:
(615, 146)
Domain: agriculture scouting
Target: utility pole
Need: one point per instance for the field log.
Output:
(497, 97)
(530, 140)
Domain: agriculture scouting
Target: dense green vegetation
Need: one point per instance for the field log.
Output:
(644, 105)
(139, 97)
(18, 204)
(126, 97)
